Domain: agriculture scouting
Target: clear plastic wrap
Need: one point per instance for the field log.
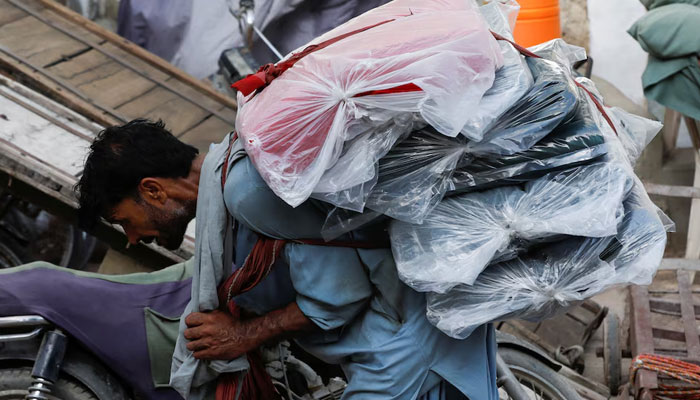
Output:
(635, 132)
(295, 129)
(466, 233)
(347, 184)
(548, 280)
(417, 172)
(577, 141)
(551, 101)
(512, 80)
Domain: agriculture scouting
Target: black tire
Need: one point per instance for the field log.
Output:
(14, 383)
(537, 378)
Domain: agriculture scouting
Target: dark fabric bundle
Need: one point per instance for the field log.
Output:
(551, 278)
(578, 141)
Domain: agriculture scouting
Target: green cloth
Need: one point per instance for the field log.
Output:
(174, 273)
(674, 83)
(161, 335)
(670, 35)
(669, 32)
(651, 4)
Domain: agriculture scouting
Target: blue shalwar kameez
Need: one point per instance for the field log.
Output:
(371, 324)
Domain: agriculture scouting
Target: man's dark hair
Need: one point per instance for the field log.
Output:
(120, 157)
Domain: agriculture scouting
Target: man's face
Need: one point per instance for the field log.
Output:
(146, 222)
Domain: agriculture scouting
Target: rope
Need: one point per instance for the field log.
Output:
(673, 368)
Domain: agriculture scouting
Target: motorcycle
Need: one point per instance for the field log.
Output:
(74, 335)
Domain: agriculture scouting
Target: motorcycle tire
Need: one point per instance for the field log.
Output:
(14, 384)
(538, 380)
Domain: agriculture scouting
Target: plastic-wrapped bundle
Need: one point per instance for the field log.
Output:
(635, 132)
(466, 233)
(356, 168)
(548, 280)
(512, 80)
(416, 173)
(577, 141)
(547, 104)
(436, 59)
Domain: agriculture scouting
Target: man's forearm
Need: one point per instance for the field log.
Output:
(218, 336)
(280, 323)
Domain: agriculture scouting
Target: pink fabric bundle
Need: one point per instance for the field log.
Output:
(295, 128)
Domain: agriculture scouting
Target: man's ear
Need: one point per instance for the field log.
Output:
(153, 191)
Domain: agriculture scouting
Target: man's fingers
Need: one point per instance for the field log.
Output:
(194, 333)
(195, 319)
(197, 345)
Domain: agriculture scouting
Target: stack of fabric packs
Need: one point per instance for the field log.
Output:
(509, 188)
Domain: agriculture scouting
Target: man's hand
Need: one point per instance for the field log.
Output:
(216, 335)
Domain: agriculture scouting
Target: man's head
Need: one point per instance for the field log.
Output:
(138, 175)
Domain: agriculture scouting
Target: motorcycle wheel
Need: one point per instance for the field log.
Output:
(14, 383)
(539, 381)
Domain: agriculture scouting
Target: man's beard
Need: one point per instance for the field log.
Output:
(171, 226)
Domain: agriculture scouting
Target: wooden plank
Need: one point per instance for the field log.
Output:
(688, 314)
(138, 51)
(188, 93)
(57, 88)
(680, 263)
(144, 68)
(102, 79)
(49, 17)
(211, 130)
(672, 190)
(9, 13)
(66, 115)
(160, 103)
(692, 249)
(641, 337)
(37, 42)
(672, 120)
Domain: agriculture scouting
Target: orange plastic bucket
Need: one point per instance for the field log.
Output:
(538, 21)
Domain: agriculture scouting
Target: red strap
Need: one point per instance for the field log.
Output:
(255, 384)
(409, 87)
(268, 72)
(528, 53)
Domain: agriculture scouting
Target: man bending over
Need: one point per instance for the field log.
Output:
(343, 304)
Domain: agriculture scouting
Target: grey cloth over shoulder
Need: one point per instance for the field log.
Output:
(195, 379)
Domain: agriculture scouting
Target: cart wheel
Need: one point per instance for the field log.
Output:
(612, 354)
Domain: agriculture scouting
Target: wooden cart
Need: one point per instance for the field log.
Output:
(663, 320)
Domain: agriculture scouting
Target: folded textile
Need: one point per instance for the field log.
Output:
(466, 233)
(551, 278)
(436, 59)
(578, 141)
(550, 101)
(672, 76)
(512, 80)
(415, 175)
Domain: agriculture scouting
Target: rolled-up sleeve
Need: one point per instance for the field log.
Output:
(331, 283)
